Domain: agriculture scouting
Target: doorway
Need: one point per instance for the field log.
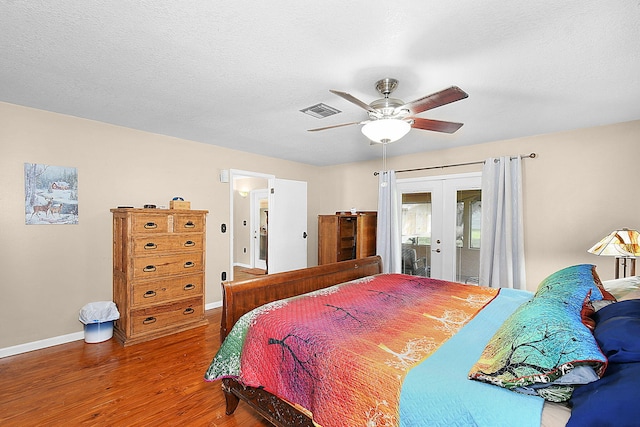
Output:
(285, 222)
(440, 222)
(245, 187)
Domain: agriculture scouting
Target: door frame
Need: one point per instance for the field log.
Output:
(443, 190)
(234, 174)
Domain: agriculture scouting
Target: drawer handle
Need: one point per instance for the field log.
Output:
(189, 224)
(149, 294)
(149, 269)
(150, 245)
(189, 243)
(149, 320)
(189, 287)
(188, 311)
(151, 225)
(189, 264)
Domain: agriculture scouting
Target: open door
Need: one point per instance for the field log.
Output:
(259, 212)
(287, 225)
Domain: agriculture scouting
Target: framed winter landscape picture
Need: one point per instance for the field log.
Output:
(50, 194)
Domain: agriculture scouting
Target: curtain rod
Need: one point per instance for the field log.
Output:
(524, 156)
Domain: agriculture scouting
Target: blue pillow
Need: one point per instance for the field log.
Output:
(618, 331)
(623, 308)
(610, 401)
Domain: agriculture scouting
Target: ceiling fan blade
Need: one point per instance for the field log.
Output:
(354, 100)
(435, 125)
(446, 96)
(334, 126)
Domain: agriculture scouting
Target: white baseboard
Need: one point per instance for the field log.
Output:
(63, 339)
(240, 264)
(37, 345)
(213, 305)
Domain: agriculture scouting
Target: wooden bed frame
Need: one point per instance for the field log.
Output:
(239, 298)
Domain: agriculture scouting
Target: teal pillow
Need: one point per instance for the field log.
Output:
(573, 284)
(545, 339)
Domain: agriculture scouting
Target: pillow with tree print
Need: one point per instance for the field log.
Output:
(545, 339)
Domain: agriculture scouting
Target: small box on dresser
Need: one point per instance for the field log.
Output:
(179, 204)
(158, 272)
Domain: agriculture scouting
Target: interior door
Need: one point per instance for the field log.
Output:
(436, 226)
(287, 225)
(259, 212)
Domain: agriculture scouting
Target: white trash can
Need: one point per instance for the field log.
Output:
(98, 320)
(98, 332)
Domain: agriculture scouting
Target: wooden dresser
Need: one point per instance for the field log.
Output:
(345, 236)
(158, 272)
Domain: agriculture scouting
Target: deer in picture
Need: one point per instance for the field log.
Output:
(55, 209)
(42, 208)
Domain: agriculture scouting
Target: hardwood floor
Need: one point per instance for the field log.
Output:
(157, 383)
(240, 273)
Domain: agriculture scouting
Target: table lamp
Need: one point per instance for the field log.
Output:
(622, 244)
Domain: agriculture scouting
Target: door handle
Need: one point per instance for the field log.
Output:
(304, 234)
(435, 250)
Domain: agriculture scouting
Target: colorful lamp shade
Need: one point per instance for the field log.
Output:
(622, 244)
(619, 243)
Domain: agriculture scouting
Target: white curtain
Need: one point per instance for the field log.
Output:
(388, 229)
(502, 243)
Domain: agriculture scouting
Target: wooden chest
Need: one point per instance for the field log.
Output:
(158, 272)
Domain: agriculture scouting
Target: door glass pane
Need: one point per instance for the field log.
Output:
(476, 220)
(416, 233)
(468, 220)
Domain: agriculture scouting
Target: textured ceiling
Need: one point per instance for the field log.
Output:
(236, 73)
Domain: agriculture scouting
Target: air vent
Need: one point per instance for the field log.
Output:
(320, 111)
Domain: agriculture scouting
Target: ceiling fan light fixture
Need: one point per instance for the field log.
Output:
(384, 131)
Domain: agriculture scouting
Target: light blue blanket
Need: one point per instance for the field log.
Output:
(454, 400)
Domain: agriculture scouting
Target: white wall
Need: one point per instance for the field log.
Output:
(50, 271)
(579, 188)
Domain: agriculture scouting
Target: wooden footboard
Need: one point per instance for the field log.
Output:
(239, 298)
(242, 297)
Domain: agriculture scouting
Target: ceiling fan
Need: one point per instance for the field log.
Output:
(390, 118)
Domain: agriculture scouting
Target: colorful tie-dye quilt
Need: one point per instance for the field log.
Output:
(343, 352)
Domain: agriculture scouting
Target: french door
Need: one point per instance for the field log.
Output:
(440, 220)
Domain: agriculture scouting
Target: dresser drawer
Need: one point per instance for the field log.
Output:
(149, 223)
(162, 243)
(153, 267)
(159, 291)
(173, 314)
(188, 222)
